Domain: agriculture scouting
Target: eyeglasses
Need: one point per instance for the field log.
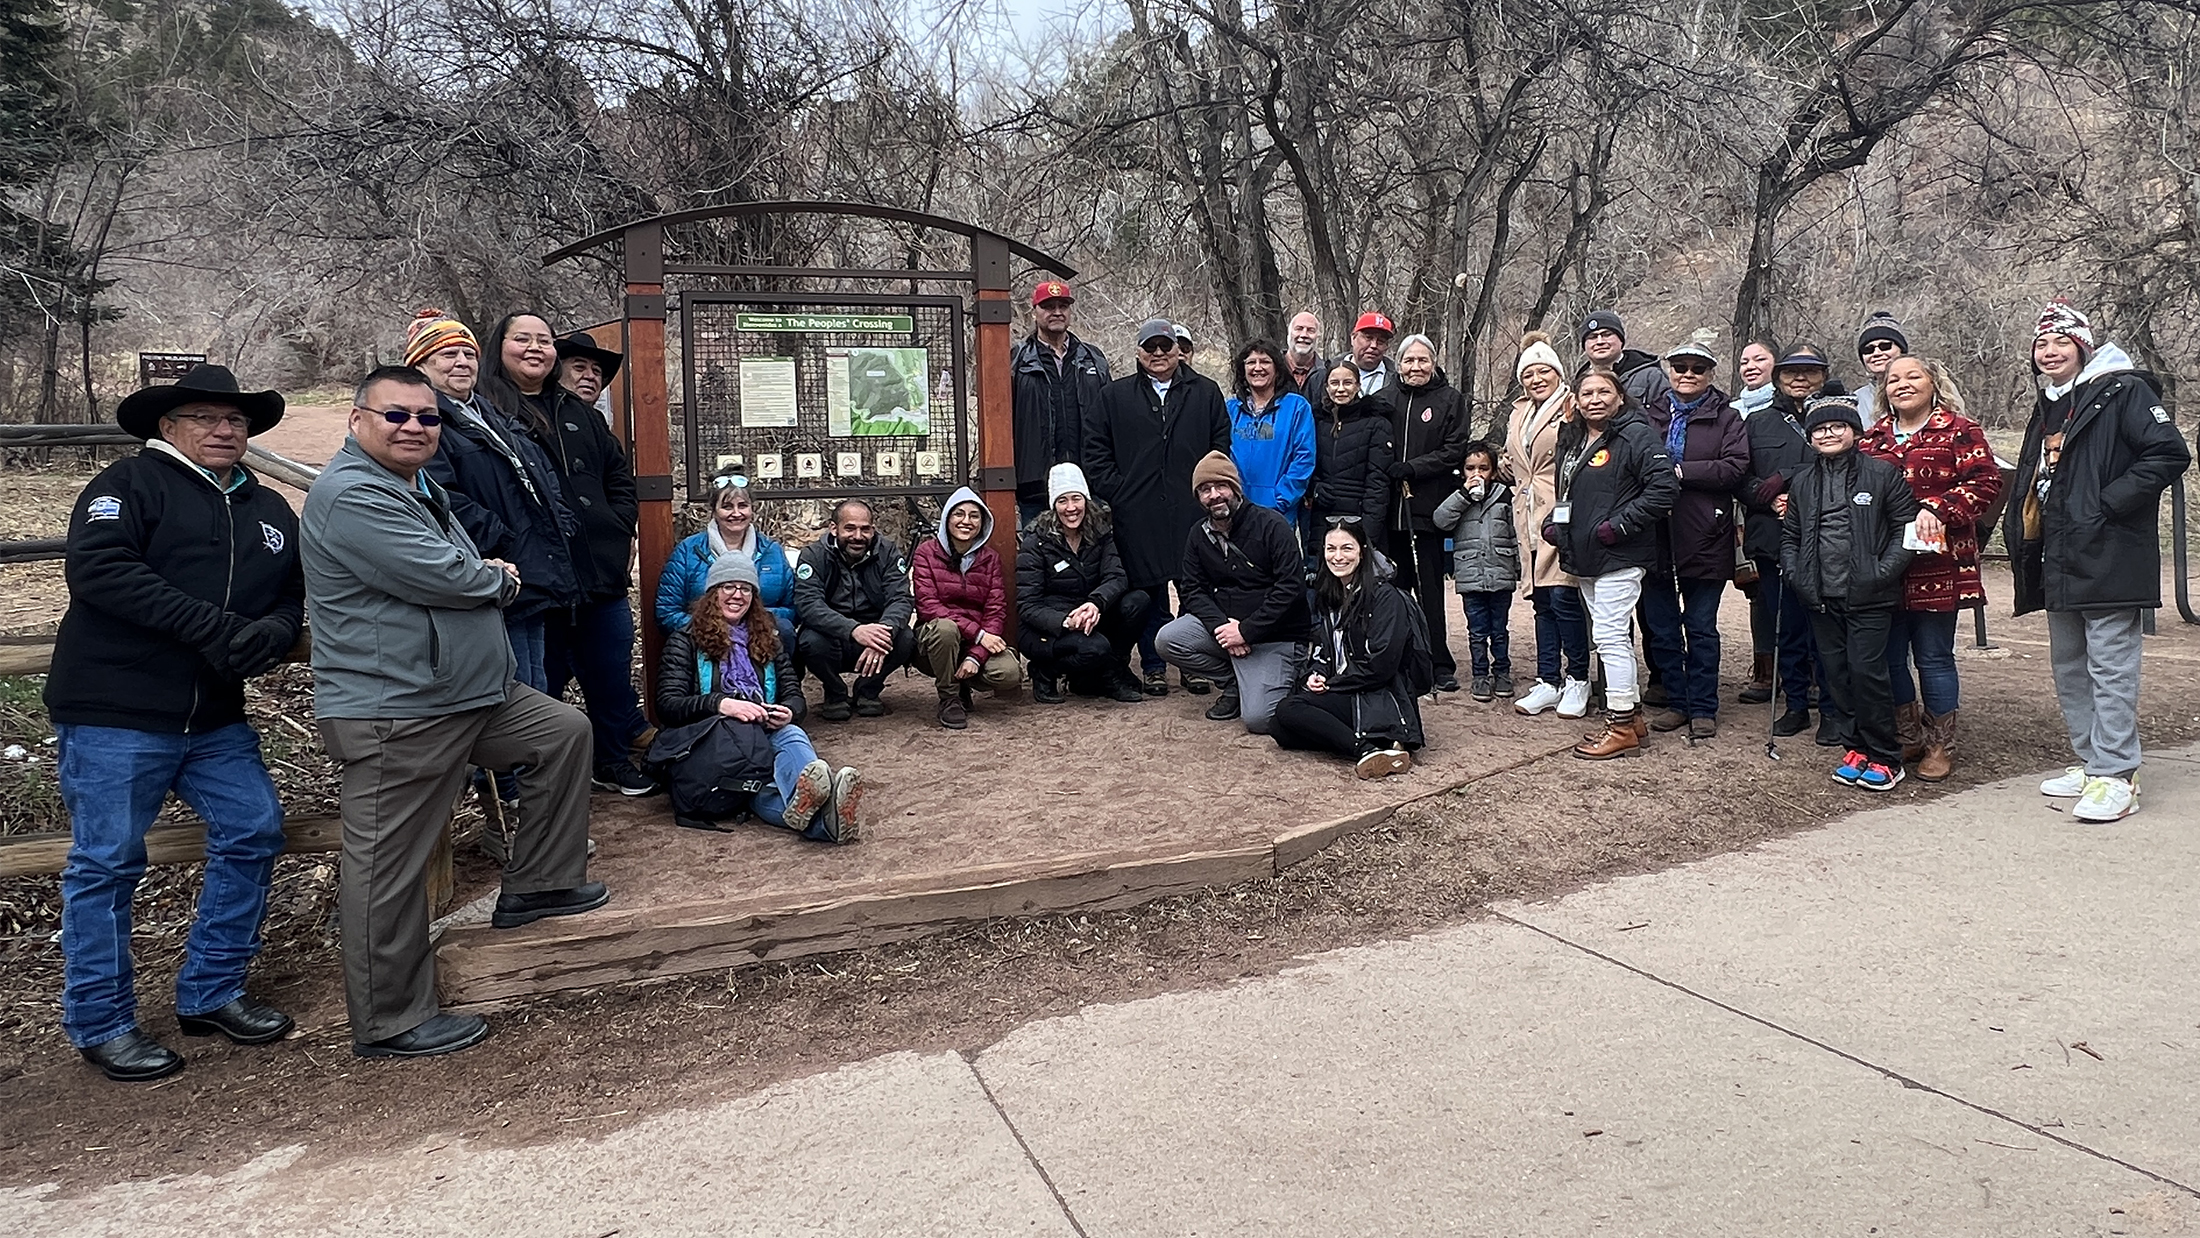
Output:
(1690, 367)
(729, 481)
(1824, 427)
(207, 421)
(1338, 522)
(399, 416)
(1877, 346)
(1158, 346)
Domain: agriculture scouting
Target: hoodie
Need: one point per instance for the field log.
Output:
(967, 589)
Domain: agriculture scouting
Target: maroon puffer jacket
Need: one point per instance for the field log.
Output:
(976, 600)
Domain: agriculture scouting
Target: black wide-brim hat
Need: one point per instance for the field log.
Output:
(582, 344)
(140, 412)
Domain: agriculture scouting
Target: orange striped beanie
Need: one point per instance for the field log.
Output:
(431, 332)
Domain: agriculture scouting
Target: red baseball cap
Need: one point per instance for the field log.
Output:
(1372, 321)
(1051, 289)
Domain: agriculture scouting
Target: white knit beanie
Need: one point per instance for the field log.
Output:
(1535, 349)
(1065, 478)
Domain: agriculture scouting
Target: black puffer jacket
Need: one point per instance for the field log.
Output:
(713, 765)
(1879, 504)
(1777, 449)
(163, 569)
(1051, 403)
(1353, 448)
(1430, 429)
(2099, 545)
(1623, 478)
(517, 514)
(1053, 580)
(682, 696)
(1378, 631)
(1254, 574)
(1640, 376)
(598, 483)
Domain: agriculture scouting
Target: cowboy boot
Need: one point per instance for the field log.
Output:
(1940, 747)
(1759, 690)
(1619, 737)
(1909, 729)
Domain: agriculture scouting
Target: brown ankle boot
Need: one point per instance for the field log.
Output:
(954, 715)
(1940, 747)
(1759, 690)
(1619, 737)
(1909, 729)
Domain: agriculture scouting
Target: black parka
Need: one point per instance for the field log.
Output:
(1378, 634)
(1139, 456)
(1777, 449)
(1353, 448)
(1053, 580)
(599, 486)
(1052, 400)
(1879, 503)
(2099, 547)
(517, 514)
(836, 597)
(163, 568)
(1254, 574)
(1430, 428)
(1623, 478)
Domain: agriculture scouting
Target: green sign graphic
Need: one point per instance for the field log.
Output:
(824, 322)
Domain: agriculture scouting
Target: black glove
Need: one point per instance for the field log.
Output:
(215, 648)
(260, 644)
(1399, 470)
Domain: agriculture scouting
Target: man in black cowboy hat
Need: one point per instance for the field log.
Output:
(584, 368)
(184, 580)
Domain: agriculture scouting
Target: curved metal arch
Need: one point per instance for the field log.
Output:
(1035, 257)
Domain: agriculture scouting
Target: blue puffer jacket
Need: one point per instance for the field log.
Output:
(682, 581)
(1274, 452)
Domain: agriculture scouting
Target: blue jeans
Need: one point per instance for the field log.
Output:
(1680, 620)
(594, 643)
(528, 638)
(791, 752)
(1489, 632)
(114, 780)
(1929, 638)
(1157, 618)
(1799, 664)
(1560, 626)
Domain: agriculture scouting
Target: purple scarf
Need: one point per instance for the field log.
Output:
(737, 673)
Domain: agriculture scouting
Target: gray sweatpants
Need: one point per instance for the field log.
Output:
(1263, 676)
(2096, 658)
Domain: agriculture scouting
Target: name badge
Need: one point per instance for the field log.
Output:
(1562, 514)
(1063, 566)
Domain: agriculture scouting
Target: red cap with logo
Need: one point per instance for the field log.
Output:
(1372, 321)
(1051, 290)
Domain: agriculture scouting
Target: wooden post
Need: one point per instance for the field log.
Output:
(651, 414)
(989, 260)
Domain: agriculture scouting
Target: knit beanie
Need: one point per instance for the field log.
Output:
(1216, 466)
(1881, 326)
(1829, 408)
(2062, 318)
(1603, 320)
(733, 569)
(432, 331)
(1065, 478)
(1535, 349)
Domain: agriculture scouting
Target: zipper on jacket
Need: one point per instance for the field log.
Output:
(229, 511)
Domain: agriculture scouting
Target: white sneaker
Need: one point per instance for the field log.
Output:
(1539, 698)
(2070, 783)
(1573, 700)
(2107, 799)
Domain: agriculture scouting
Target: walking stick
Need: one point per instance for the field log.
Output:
(1772, 742)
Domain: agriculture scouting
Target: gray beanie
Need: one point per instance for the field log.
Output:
(733, 568)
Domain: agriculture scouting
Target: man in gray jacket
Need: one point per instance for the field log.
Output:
(413, 681)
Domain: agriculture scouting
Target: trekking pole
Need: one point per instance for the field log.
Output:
(1772, 743)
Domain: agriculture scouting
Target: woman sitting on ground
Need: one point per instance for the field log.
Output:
(732, 530)
(729, 702)
(1077, 613)
(1357, 696)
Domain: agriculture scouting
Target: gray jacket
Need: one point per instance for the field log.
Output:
(1485, 555)
(404, 613)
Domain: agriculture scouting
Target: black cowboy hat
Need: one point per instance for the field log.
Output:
(140, 412)
(582, 344)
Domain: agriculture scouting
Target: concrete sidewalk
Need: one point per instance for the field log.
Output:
(1969, 1018)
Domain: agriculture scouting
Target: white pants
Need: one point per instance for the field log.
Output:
(1610, 600)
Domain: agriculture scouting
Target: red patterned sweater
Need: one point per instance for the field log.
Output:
(1952, 471)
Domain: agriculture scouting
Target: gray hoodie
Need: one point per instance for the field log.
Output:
(405, 615)
(985, 527)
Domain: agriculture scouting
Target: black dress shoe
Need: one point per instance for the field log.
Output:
(133, 1057)
(444, 1033)
(514, 910)
(244, 1022)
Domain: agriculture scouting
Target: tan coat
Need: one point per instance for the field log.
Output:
(1531, 456)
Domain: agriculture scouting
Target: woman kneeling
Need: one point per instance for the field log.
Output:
(729, 702)
(1357, 697)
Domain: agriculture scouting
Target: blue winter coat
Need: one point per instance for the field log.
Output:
(1274, 452)
(682, 582)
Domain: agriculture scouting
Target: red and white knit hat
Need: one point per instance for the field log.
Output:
(2062, 318)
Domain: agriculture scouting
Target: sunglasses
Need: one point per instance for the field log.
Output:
(1338, 522)
(1689, 367)
(729, 481)
(1877, 346)
(399, 416)
(1158, 346)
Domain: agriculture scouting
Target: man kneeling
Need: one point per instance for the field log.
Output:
(1244, 596)
(851, 596)
(413, 681)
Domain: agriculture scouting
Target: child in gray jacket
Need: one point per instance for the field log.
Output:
(1485, 566)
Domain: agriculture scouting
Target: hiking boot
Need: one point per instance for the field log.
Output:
(872, 707)
(1046, 689)
(1616, 740)
(1759, 691)
(1668, 720)
(1502, 681)
(836, 709)
(1226, 706)
(1909, 730)
(1383, 762)
(954, 713)
(1703, 728)
(813, 791)
(1197, 685)
(2107, 799)
(1157, 683)
(1540, 697)
(1851, 767)
(1123, 687)
(847, 806)
(1877, 777)
(2067, 785)
(513, 910)
(1938, 760)
(1791, 723)
(1482, 689)
(1573, 699)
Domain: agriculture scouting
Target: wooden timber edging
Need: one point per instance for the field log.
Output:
(478, 965)
(31, 855)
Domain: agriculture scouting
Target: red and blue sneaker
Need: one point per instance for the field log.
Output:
(1852, 767)
(1877, 777)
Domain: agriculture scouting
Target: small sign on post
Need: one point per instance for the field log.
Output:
(166, 367)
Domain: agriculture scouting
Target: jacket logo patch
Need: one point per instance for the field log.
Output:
(574, 428)
(105, 507)
(802, 571)
(2160, 416)
(272, 536)
(1428, 414)
(1863, 500)
(1602, 458)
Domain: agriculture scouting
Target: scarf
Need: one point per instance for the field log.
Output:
(1676, 430)
(1753, 400)
(737, 671)
(719, 546)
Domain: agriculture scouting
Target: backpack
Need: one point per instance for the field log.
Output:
(712, 768)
